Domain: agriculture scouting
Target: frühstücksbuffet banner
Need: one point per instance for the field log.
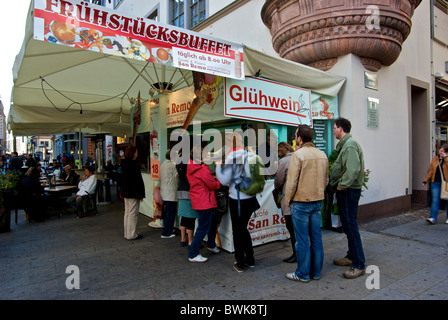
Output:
(91, 27)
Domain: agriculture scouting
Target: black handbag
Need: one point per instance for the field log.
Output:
(222, 200)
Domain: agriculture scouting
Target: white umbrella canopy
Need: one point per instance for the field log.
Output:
(63, 89)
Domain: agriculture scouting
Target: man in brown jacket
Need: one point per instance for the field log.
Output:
(305, 189)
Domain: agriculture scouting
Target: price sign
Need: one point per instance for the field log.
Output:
(155, 169)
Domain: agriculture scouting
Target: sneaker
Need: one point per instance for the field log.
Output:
(198, 258)
(167, 237)
(354, 273)
(344, 262)
(250, 265)
(291, 259)
(294, 277)
(446, 221)
(430, 220)
(238, 269)
(214, 250)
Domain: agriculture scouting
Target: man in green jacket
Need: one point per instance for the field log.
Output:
(347, 176)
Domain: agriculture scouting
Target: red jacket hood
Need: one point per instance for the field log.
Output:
(202, 186)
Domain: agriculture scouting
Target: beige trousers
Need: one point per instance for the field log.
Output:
(131, 210)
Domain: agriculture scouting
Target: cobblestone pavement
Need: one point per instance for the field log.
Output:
(387, 223)
(411, 258)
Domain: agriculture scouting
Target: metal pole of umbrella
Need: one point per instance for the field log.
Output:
(79, 149)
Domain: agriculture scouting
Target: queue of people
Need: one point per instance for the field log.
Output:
(188, 190)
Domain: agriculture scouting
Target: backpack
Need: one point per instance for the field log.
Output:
(252, 179)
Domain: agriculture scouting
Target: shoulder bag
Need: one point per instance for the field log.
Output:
(444, 186)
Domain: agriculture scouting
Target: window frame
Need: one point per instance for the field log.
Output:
(187, 18)
(156, 9)
(177, 16)
(196, 4)
(117, 3)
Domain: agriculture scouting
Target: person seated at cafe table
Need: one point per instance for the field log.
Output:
(41, 170)
(31, 195)
(86, 186)
(70, 176)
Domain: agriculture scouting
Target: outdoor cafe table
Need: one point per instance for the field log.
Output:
(60, 188)
(57, 193)
(44, 183)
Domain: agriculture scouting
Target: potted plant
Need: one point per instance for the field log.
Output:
(8, 188)
(9, 180)
(329, 208)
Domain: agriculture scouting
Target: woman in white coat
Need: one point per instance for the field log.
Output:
(169, 180)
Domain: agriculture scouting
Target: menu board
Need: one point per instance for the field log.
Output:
(322, 139)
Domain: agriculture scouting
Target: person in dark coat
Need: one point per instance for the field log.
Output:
(32, 195)
(133, 192)
(70, 176)
(16, 162)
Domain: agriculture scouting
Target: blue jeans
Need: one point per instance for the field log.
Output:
(204, 222)
(169, 216)
(306, 218)
(435, 200)
(348, 207)
(211, 236)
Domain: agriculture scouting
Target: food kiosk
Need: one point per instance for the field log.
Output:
(268, 106)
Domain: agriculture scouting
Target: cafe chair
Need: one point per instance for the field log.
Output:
(89, 205)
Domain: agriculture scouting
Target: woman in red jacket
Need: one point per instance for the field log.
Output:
(203, 200)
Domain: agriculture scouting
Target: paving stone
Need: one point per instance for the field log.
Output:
(411, 255)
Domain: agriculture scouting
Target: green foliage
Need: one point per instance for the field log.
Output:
(9, 180)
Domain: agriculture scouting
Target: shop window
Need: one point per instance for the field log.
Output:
(231, 125)
(441, 137)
